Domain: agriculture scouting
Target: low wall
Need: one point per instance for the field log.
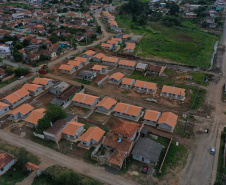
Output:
(8, 77)
(102, 80)
(39, 135)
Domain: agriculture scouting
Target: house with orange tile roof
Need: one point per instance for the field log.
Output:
(127, 64)
(76, 64)
(127, 83)
(16, 97)
(73, 130)
(84, 60)
(173, 92)
(107, 46)
(128, 111)
(34, 89)
(155, 69)
(21, 112)
(151, 117)
(125, 37)
(112, 61)
(88, 54)
(43, 81)
(65, 68)
(146, 87)
(35, 115)
(85, 100)
(4, 108)
(106, 105)
(167, 121)
(129, 47)
(116, 78)
(100, 69)
(91, 137)
(98, 57)
(32, 167)
(6, 162)
(119, 40)
(55, 132)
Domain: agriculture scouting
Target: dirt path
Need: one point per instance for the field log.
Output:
(50, 157)
(201, 167)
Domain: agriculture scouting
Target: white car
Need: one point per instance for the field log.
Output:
(21, 77)
(212, 150)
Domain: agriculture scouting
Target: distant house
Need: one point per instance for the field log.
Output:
(43, 81)
(173, 92)
(2, 73)
(21, 112)
(167, 121)
(147, 151)
(84, 60)
(107, 46)
(141, 67)
(85, 100)
(126, 64)
(69, 69)
(154, 69)
(146, 87)
(87, 75)
(88, 54)
(129, 47)
(16, 97)
(64, 99)
(100, 69)
(32, 167)
(128, 83)
(116, 78)
(35, 115)
(128, 111)
(91, 137)
(34, 89)
(191, 15)
(76, 64)
(59, 87)
(98, 57)
(73, 130)
(55, 132)
(112, 61)
(4, 108)
(151, 117)
(6, 162)
(106, 105)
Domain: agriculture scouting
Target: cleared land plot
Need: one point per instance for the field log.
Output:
(175, 43)
(78, 110)
(98, 117)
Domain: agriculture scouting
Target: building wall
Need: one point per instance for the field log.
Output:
(86, 105)
(151, 123)
(102, 109)
(7, 167)
(85, 143)
(139, 158)
(166, 127)
(4, 110)
(49, 83)
(126, 116)
(126, 67)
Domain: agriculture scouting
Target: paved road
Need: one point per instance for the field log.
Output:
(51, 157)
(201, 168)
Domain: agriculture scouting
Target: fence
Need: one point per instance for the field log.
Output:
(39, 135)
(8, 77)
(102, 80)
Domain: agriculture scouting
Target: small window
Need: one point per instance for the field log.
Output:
(2, 169)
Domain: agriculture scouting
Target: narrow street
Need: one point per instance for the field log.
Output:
(201, 168)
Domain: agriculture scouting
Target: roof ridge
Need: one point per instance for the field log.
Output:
(92, 132)
(127, 109)
(84, 97)
(145, 84)
(17, 94)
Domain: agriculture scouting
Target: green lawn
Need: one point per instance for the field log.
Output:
(15, 4)
(179, 44)
(83, 81)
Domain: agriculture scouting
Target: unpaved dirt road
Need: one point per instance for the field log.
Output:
(201, 168)
(51, 157)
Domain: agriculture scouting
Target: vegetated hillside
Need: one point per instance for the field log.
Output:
(191, 47)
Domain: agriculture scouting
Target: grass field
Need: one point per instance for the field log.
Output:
(7, 82)
(15, 4)
(180, 44)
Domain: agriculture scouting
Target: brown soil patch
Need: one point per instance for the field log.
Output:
(98, 117)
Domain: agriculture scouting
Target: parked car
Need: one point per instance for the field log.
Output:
(21, 77)
(212, 150)
(145, 169)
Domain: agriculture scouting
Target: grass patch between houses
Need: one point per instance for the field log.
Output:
(7, 82)
(179, 44)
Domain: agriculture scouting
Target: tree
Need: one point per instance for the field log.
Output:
(18, 45)
(98, 29)
(174, 9)
(54, 39)
(18, 57)
(43, 57)
(25, 42)
(65, 10)
(44, 123)
(59, 10)
(55, 112)
(68, 178)
(43, 46)
(21, 71)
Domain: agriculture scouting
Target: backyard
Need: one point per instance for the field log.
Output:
(178, 44)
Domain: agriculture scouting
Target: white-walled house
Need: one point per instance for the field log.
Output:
(6, 162)
(4, 108)
(73, 130)
(85, 100)
(43, 81)
(21, 112)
